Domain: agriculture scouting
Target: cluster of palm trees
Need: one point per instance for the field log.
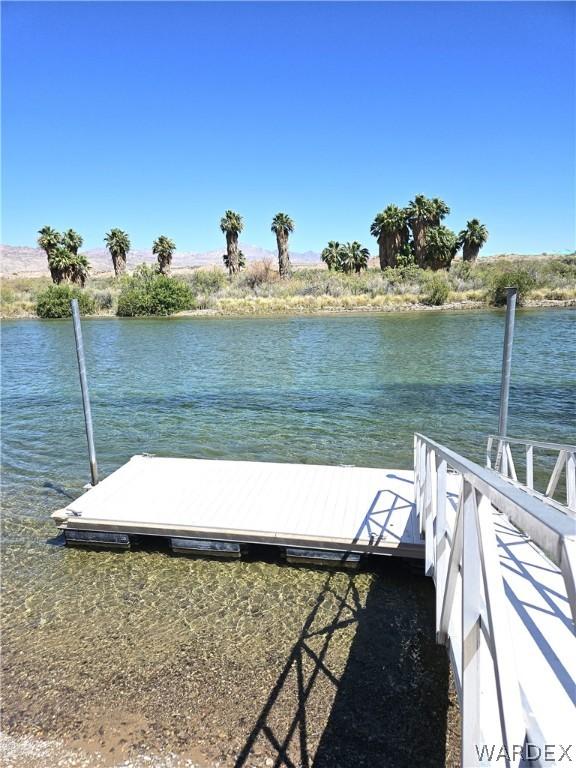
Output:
(417, 233)
(66, 265)
(345, 257)
(411, 235)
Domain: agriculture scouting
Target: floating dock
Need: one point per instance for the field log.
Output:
(333, 508)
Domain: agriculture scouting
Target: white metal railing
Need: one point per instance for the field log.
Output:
(565, 463)
(455, 501)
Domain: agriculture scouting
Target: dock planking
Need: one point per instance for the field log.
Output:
(355, 509)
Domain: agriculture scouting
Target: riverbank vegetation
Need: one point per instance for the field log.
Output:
(409, 236)
(416, 259)
(259, 289)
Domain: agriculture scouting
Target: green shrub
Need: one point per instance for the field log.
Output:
(103, 299)
(461, 270)
(55, 301)
(519, 278)
(436, 290)
(147, 292)
(207, 280)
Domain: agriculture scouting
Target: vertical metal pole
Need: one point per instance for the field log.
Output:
(84, 387)
(511, 294)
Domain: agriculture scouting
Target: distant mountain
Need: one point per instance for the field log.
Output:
(18, 259)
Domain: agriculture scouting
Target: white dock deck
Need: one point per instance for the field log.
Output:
(346, 508)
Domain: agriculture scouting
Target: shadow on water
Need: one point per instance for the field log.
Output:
(391, 700)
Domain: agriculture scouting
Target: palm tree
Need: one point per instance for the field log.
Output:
(231, 224)
(61, 263)
(79, 269)
(390, 227)
(118, 244)
(241, 260)
(472, 239)
(68, 267)
(282, 226)
(441, 210)
(164, 248)
(424, 213)
(72, 240)
(353, 257)
(441, 247)
(331, 254)
(49, 240)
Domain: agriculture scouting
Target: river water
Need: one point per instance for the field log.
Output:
(114, 657)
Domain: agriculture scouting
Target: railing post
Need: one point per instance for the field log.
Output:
(429, 511)
(530, 466)
(84, 388)
(471, 595)
(571, 481)
(441, 542)
(489, 453)
(499, 639)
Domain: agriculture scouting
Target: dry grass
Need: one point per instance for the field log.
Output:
(259, 289)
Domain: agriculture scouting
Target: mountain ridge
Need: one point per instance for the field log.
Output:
(27, 260)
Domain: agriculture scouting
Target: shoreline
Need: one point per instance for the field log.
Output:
(258, 308)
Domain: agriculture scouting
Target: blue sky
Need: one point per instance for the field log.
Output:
(156, 117)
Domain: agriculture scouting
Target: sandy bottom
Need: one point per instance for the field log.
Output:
(143, 659)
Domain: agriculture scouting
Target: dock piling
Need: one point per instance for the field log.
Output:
(511, 295)
(84, 388)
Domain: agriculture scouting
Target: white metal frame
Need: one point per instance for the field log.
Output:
(565, 462)
(471, 613)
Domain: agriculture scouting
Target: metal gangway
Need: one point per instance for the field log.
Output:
(503, 559)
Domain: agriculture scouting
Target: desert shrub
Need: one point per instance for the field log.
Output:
(559, 272)
(408, 273)
(103, 299)
(259, 273)
(55, 302)
(147, 292)
(207, 280)
(436, 290)
(462, 270)
(519, 278)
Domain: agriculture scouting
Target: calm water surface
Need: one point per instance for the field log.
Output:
(90, 632)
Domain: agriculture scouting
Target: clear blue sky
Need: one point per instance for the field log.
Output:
(156, 117)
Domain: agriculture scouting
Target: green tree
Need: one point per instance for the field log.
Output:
(65, 263)
(390, 227)
(49, 239)
(231, 225)
(441, 210)
(472, 239)
(61, 262)
(283, 226)
(72, 241)
(118, 244)
(331, 254)
(163, 248)
(441, 247)
(353, 257)
(80, 270)
(424, 213)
